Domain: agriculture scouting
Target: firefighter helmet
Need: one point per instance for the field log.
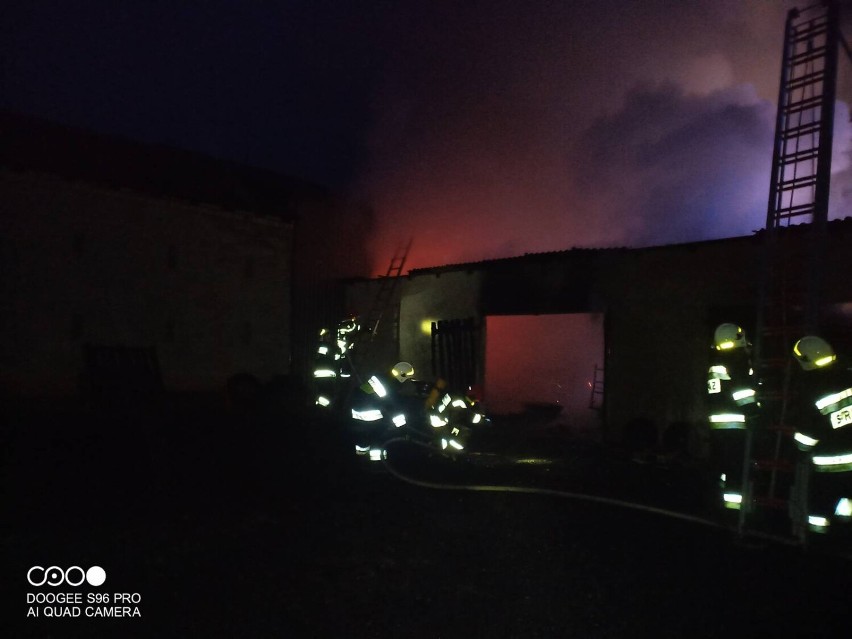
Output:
(728, 336)
(403, 371)
(813, 352)
(347, 324)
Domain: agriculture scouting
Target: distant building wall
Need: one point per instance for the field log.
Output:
(210, 288)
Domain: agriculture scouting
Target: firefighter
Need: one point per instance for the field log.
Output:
(452, 417)
(732, 400)
(325, 374)
(824, 431)
(347, 329)
(379, 407)
(331, 361)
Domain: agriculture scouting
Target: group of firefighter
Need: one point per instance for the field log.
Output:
(387, 404)
(819, 408)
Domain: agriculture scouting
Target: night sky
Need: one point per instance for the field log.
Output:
(482, 129)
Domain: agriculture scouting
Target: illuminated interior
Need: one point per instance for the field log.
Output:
(543, 360)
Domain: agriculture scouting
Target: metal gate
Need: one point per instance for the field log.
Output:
(455, 351)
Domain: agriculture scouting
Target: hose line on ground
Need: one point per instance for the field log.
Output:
(563, 494)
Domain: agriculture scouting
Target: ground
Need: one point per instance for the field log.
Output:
(259, 524)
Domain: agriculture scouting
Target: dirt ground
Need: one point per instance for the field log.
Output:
(260, 524)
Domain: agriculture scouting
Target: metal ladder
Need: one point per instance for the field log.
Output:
(383, 310)
(597, 389)
(801, 161)
(788, 304)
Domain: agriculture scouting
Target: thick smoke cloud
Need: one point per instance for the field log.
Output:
(670, 167)
(541, 126)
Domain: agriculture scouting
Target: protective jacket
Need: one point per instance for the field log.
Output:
(824, 416)
(378, 409)
(731, 392)
(451, 417)
(326, 372)
(332, 367)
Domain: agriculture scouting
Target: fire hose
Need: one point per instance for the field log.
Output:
(563, 494)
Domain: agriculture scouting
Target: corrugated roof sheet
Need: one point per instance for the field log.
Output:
(844, 224)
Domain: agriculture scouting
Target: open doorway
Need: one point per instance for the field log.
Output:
(544, 366)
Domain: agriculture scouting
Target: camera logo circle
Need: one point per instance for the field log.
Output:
(95, 575)
(73, 576)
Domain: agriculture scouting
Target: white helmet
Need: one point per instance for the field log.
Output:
(402, 371)
(728, 336)
(813, 352)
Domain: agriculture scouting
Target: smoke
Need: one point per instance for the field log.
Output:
(481, 129)
(515, 127)
(840, 197)
(674, 167)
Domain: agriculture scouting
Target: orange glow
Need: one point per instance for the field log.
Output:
(542, 359)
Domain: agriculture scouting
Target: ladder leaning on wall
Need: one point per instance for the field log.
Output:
(788, 304)
(383, 313)
(597, 389)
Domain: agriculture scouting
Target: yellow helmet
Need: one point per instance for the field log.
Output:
(813, 352)
(402, 371)
(728, 336)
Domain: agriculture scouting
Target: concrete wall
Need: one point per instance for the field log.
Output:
(428, 298)
(209, 288)
(660, 310)
(419, 299)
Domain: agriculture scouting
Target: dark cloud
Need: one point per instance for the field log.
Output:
(676, 167)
